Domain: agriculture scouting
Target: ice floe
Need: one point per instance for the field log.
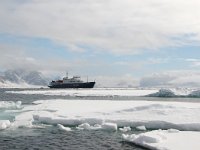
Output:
(4, 124)
(109, 126)
(166, 140)
(105, 126)
(152, 115)
(87, 126)
(61, 127)
(109, 114)
(10, 104)
(125, 129)
(141, 128)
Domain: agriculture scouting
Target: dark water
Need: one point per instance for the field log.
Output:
(51, 138)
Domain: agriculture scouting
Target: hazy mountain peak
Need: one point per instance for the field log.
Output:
(20, 76)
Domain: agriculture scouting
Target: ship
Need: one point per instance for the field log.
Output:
(74, 82)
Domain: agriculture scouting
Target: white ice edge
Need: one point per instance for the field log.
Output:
(115, 92)
(4, 124)
(89, 92)
(166, 140)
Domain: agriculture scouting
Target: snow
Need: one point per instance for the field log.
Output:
(152, 115)
(4, 124)
(125, 129)
(135, 114)
(84, 126)
(10, 104)
(110, 126)
(105, 126)
(90, 92)
(141, 128)
(62, 128)
(87, 126)
(166, 139)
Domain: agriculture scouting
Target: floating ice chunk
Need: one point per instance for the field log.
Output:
(109, 126)
(141, 128)
(40, 126)
(97, 126)
(23, 119)
(166, 140)
(145, 139)
(93, 120)
(18, 104)
(61, 127)
(105, 126)
(4, 124)
(22, 124)
(86, 126)
(125, 129)
(173, 130)
(163, 93)
(10, 105)
(148, 139)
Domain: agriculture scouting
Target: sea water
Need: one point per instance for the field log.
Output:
(41, 135)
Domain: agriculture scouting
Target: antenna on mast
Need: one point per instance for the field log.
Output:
(67, 74)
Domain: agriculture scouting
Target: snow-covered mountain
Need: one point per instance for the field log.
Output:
(22, 77)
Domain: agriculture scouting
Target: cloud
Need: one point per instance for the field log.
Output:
(18, 57)
(158, 60)
(186, 78)
(117, 81)
(115, 26)
(194, 62)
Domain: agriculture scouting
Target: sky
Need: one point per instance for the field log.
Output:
(115, 42)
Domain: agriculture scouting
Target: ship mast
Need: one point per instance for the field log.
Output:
(67, 74)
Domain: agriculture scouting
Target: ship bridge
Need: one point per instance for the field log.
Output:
(74, 79)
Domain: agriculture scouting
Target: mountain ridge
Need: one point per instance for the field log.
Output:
(23, 77)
